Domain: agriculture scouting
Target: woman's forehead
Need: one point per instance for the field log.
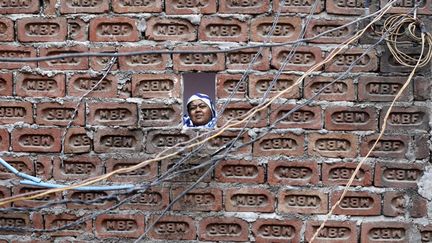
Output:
(197, 102)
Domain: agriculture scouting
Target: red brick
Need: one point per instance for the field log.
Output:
(335, 145)
(287, 29)
(198, 61)
(277, 231)
(87, 200)
(49, 8)
(222, 29)
(406, 6)
(43, 167)
(249, 199)
(13, 219)
(244, 7)
(288, 144)
(170, 29)
(119, 225)
(405, 119)
(153, 199)
(18, 52)
(42, 140)
(259, 84)
(15, 111)
(6, 84)
(385, 231)
(339, 173)
(340, 90)
(333, 231)
(7, 32)
(60, 114)
(22, 164)
(226, 137)
(113, 29)
(81, 84)
(422, 88)
(154, 62)
(36, 241)
(117, 140)
(303, 201)
(398, 175)
(178, 7)
(52, 221)
(240, 60)
(303, 59)
(158, 140)
(297, 6)
(345, 7)
(389, 146)
(77, 29)
(30, 203)
(235, 112)
(156, 86)
(159, 114)
(102, 63)
(187, 174)
(112, 114)
(226, 83)
(77, 140)
(4, 193)
(418, 207)
(124, 6)
(299, 173)
(421, 146)
(76, 7)
(343, 60)
(216, 229)
(36, 85)
(68, 63)
(20, 7)
(308, 117)
(41, 29)
(319, 26)
(426, 232)
(77, 167)
(380, 88)
(388, 63)
(240, 171)
(125, 90)
(395, 204)
(198, 199)
(340, 118)
(357, 203)
(4, 140)
(173, 227)
(147, 172)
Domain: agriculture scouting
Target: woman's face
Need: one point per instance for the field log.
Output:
(199, 112)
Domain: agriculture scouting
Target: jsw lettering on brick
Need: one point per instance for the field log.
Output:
(350, 117)
(169, 140)
(37, 140)
(88, 196)
(143, 171)
(10, 112)
(302, 201)
(62, 222)
(293, 172)
(298, 58)
(165, 228)
(350, 3)
(191, 3)
(348, 59)
(40, 85)
(298, 3)
(279, 30)
(219, 30)
(14, 54)
(296, 116)
(118, 141)
(230, 85)
(89, 84)
(80, 140)
(195, 199)
(387, 233)
(12, 222)
(239, 171)
(223, 229)
(402, 174)
(399, 118)
(357, 202)
(113, 114)
(383, 89)
(85, 3)
(335, 88)
(409, 3)
(119, 225)
(198, 59)
(241, 200)
(279, 231)
(42, 29)
(281, 84)
(136, 3)
(156, 85)
(171, 29)
(244, 3)
(333, 145)
(388, 145)
(77, 168)
(148, 198)
(14, 3)
(345, 174)
(145, 59)
(58, 113)
(279, 143)
(157, 114)
(318, 29)
(112, 29)
(333, 232)
(242, 58)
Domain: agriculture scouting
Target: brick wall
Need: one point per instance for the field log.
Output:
(273, 189)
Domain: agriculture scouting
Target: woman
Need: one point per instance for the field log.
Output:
(201, 112)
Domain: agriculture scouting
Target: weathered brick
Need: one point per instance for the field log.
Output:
(77, 167)
(339, 90)
(418, 207)
(142, 62)
(198, 199)
(19, 7)
(41, 29)
(109, 29)
(149, 86)
(146, 172)
(260, 84)
(240, 146)
(222, 29)
(244, 7)
(13, 219)
(345, 7)
(302, 59)
(333, 231)
(297, 6)
(403, 119)
(185, 171)
(77, 140)
(16, 111)
(425, 232)
(92, 85)
(223, 229)
(240, 60)
(277, 231)
(395, 203)
(421, 146)
(158, 140)
(190, 7)
(22, 164)
(137, 6)
(288, 144)
(398, 175)
(67, 63)
(60, 114)
(356, 203)
(43, 140)
(4, 140)
(335, 145)
(84, 6)
(350, 118)
(6, 84)
(405, 6)
(173, 227)
(385, 231)
(303, 201)
(9, 51)
(380, 88)
(299, 173)
(29, 203)
(118, 140)
(162, 29)
(308, 117)
(4, 193)
(112, 114)
(286, 29)
(198, 61)
(249, 199)
(365, 63)
(339, 173)
(422, 88)
(43, 167)
(119, 225)
(159, 114)
(36, 85)
(7, 32)
(318, 26)
(152, 199)
(235, 112)
(52, 221)
(226, 84)
(77, 29)
(88, 200)
(102, 63)
(389, 146)
(388, 63)
(240, 171)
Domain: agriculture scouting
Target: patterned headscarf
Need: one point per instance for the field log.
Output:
(187, 122)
